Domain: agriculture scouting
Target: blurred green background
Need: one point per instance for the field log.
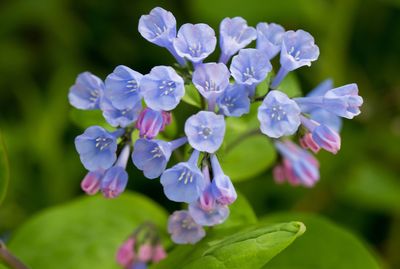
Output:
(44, 44)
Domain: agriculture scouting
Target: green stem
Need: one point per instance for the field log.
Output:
(9, 259)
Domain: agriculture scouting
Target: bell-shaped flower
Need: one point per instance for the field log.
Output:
(126, 253)
(250, 67)
(120, 117)
(97, 148)
(86, 92)
(222, 188)
(278, 115)
(91, 182)
(205, 131)
(116, 178)
(152, 156)
(162, 88)
(235, 34)
(184, 182)
(122, 87)
(269, 38)
(183, 229)
(151, 122)
(195, 42)
(234, 102)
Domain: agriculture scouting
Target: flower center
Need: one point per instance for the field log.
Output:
(186, 176)
(94, 95)
(159, 30)
(210, 86)
(132, 85)
(295, 53)
(167, 87)
(195, 50)
(157, 153)
(103, 142)
(249, 72)
(277, 113)
(205, 132)
(187, 223)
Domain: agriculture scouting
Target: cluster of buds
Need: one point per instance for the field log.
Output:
(131, 101)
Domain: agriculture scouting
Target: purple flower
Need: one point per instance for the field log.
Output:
(250, 67)
(122, 87)
(234, 35)
(91, 183)
(278, 115)
(184, 182)
(183, 229)
(151, 122)
(234, 101)
(213, 214)
(205, 131)
(269, 38)
(138, 265)
(195, 42)
(152, 156)
(221, 187)
(86, 92)
(162, 88)
(97, 148)
(116, 178)
(120, 117)
(211, 79)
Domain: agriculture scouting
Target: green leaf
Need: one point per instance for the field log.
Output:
(85, 233)
(192, 96)
(291, 86)
(324, 246)
(4, 170)
(248, 248)
(86, 118)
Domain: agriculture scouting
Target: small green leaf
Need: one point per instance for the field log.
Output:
(4, 170)
(247, 248)
(85, 233)
(86, 118)
(192, 96)
(291, 86)
(324, 246)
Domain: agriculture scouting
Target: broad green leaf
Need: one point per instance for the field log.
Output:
(4, 170)
(324, 246)
(192, 96)
(248, 248)
(85, 233)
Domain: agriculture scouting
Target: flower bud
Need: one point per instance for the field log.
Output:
(151, 122)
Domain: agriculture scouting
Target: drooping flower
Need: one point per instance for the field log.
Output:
(122, 87)
(162, 88)
(116, 178)
(86, 92)
(91, 182)
(152, 156)
(298, 49)
(125, 254)
(183, 229)
(205, 131)
(234, 101)
(278, 115)
(221, 187)
(97, 148)
(269, 38)
(184, 182)
(250, 67)
(120, 117)
(195, 42)
(235, 34)
(151, 122)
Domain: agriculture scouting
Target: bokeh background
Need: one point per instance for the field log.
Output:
(44, 44)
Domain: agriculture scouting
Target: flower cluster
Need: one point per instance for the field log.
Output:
(131, 101)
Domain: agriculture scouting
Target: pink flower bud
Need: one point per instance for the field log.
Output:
(91, 182)
(159, 253)
(307, 142)
(151, 122)
(145, 253)
(125, 254)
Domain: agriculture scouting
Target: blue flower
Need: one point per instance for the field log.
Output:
(97, 148)
(278, 115)
(120, 117)
(211, 79)
(162, 88)
(122, 87)
(86, 92)
(250, 67)
(184, 182)
(269, 38)
(235, 34)
(91, 182)
(234, 101)
(151, 122)
(222, 188)
(152, 156)
(116, 178)
(205, 131)
(195, 42)
(183, 229)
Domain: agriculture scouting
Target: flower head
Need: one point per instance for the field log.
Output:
(151, 122)
(120, 117)
(269, 38)
(184, 182)
(221, 187)
(91, 182)
(162, 88)
(195, 42)
(234, 101)
(183, 229)
(278, 115)
(205, 131)
(86, 92)
(235, 34)
(122, 87)
(97, 148)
